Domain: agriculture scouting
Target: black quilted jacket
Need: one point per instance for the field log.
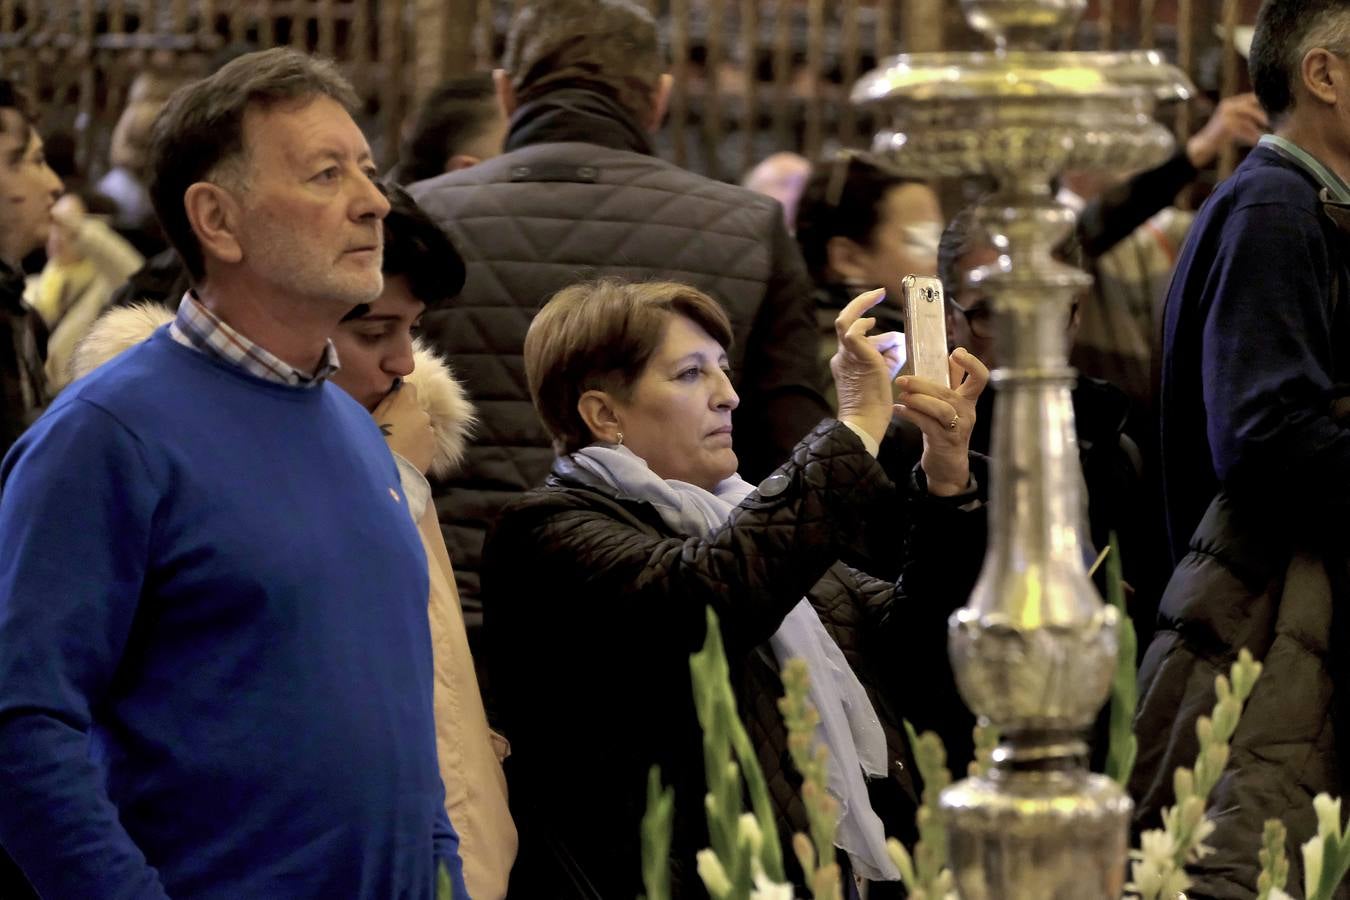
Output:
(1244, 585)
(577, 196)
(593, 606)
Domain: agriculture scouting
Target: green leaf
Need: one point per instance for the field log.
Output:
(725, 737)
(656, 830)
(1122, 746)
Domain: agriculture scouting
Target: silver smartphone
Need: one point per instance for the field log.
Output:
(925, 329)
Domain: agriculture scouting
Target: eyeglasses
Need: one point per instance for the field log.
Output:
(979, 316)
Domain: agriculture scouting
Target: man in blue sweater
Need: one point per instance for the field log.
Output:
(1255, 326)
(215, 664)
(1256, 460)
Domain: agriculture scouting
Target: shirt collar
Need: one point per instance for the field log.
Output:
(197, 327)
(1336, 187)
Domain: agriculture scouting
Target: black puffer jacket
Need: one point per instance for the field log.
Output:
(1243, 585)
(594, 606)
(578, 196)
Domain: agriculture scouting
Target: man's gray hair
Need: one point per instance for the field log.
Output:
(199, 135)
(1286, 30)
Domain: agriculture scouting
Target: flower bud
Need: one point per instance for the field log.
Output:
(714, 876)
(1183, 784)
(1328, 815)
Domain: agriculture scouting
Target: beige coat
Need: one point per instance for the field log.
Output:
(70, 299)
(470, 753)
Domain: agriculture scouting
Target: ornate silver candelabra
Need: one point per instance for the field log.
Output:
(1034, 649)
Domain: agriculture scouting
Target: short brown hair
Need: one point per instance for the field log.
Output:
(599, 335)
(201, 128)
(610, 46)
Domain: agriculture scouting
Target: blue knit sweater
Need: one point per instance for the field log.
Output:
(215, 663)
(1254, 333)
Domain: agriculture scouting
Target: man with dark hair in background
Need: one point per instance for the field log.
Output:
(579, 194)
(460, 124)
(1256, 460)
(215, 660)
(28, 189)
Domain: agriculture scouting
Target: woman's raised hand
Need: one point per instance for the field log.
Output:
(863, 367)
(946, 417)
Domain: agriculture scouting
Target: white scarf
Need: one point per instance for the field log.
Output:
(849, 727)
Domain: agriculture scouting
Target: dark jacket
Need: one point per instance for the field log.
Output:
(163, 280)
(579, 195)
(1255, 329)
(1243, 584)
(23, 342)
(593, 607)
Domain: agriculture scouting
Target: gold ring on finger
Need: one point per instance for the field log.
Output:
(951, 426)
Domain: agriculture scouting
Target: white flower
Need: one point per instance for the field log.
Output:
(769, 890)
(1155, 873)
(1147, 878)
(714, 876)
(1199, 849)
(1328, 815)
(747, 832)
(1312, 864)
(1175, 882)
(1155, 846)
(1277, 894)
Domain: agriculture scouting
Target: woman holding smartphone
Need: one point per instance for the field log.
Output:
(596, 584)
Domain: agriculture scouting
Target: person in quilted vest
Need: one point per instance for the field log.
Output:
(596, 584)
(579, 193)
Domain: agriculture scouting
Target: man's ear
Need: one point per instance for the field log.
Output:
(596, 409)
(846, 260)
(506, 94)
(660, 102)
(460, 161)
(1324, 76)
(214, 216)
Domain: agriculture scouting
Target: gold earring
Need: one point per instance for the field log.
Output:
(620, 439)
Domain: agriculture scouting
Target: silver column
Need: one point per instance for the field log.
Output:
(1034, 649)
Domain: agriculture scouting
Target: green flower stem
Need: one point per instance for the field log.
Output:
(1274, 862)
(926, 874)
(656, 829)
(724, 737)
(1122, 745)
(822, 810)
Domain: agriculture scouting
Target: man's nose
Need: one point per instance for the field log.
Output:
(370, 202)
(400, 362)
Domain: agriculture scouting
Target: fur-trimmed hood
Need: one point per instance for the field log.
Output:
(439, 393)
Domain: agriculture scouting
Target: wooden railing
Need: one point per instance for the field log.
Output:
(752, 76)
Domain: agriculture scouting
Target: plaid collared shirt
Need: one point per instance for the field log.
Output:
(199, 328)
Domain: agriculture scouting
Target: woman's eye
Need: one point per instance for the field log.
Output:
(689, 374)
(328, 174)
